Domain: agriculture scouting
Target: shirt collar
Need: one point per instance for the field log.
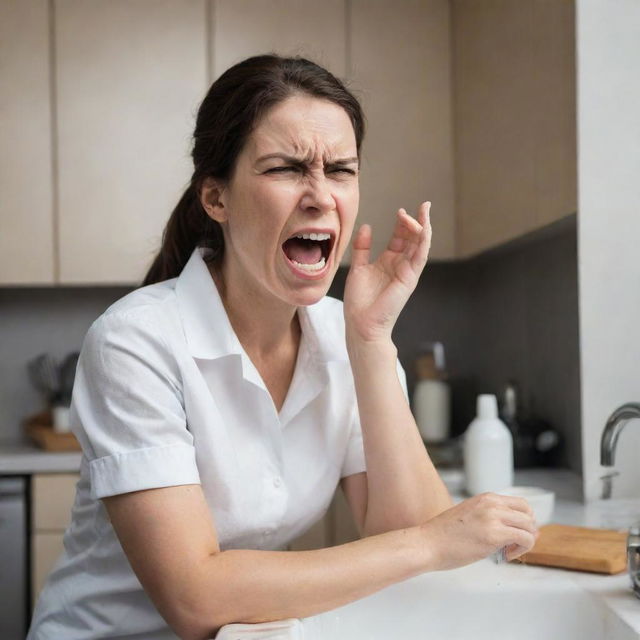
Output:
(206, 325)
(207, 328)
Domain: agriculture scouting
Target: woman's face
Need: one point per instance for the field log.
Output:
(296, 176)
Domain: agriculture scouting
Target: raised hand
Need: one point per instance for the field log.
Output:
(375, 293)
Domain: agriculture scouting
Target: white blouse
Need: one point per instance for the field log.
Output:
(165, 395)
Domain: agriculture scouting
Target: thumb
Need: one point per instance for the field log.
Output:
(361, 246)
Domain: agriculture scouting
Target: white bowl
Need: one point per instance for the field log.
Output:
(540, 500)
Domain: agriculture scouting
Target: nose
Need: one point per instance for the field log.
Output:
(317, 196)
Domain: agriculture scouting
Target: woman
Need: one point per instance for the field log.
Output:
(219, 406)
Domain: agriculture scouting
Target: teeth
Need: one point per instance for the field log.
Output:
(310, 267)
(314, 236)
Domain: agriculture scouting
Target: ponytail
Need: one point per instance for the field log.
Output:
(188, 227)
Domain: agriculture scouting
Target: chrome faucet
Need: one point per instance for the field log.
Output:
(633, 558)
(615, 424)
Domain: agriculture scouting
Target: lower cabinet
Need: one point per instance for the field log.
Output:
(52, 496)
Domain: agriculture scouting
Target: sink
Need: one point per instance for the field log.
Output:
(481, 601)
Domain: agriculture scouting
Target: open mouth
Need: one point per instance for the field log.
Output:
(309, 251)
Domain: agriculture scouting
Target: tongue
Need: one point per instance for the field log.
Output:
(303, 251)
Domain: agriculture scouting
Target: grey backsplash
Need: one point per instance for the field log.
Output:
(509, 314)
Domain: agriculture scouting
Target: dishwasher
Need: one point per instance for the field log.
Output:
(14, 531)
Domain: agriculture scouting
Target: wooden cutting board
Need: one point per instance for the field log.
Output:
(581, 548)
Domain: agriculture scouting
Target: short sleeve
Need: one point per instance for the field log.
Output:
(127, 409)
(354, 461)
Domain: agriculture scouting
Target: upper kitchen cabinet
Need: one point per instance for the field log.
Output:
(514, 88)
(26, 183)
(243, 28)
(400, 66)
(129, 77)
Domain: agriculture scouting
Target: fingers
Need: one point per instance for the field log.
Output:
(514, 551)
(519, 548)
(519, 504)
(421, 254)
(405, 226)
(519, 520)
(512, 502)
(412, 237)
(361, 246)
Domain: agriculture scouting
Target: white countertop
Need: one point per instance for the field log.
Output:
(614, 591)
(24, 458)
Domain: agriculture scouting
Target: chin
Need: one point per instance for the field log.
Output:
(309, 296)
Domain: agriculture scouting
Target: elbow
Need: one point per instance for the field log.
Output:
(200, 608)
(189, 621)
(211, 600)
(198, 620)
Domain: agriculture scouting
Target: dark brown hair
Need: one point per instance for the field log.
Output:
(233, 105)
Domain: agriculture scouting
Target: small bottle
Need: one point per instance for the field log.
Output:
(488, 450)
(432, 395)
(523, 438)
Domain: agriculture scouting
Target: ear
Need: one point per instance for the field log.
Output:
(212, 199)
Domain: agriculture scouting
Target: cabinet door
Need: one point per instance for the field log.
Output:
(556, 160)
(45, 550)
(242, 28)
(26, 192)
(52, 497)
(401, 68)
(129, 78)
(514, 117)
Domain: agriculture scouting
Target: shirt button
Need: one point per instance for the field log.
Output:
(277, 482)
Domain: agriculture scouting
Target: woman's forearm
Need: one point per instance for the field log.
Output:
(404, 488)
(259, 586)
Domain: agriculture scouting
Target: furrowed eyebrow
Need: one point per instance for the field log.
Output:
(302, 161)
(343, 161)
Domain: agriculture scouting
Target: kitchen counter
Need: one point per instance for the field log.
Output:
(24, 458)
(612, 591)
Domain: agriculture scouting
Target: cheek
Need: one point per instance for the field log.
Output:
(257, 217)
(348, 203)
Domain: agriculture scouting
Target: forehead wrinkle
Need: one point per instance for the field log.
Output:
(304, 153)
(309, 142)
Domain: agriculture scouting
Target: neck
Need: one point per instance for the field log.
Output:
(264, 325)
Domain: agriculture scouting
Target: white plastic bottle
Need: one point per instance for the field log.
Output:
(488, 450)
(432, 395)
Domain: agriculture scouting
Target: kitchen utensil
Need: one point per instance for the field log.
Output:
(44, 375)
(581, 548)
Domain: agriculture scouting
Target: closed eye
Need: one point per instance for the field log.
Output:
(282, 169)
(342, 170)
(295, 169)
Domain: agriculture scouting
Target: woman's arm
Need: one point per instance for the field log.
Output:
(402, 487)
(169, 538)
